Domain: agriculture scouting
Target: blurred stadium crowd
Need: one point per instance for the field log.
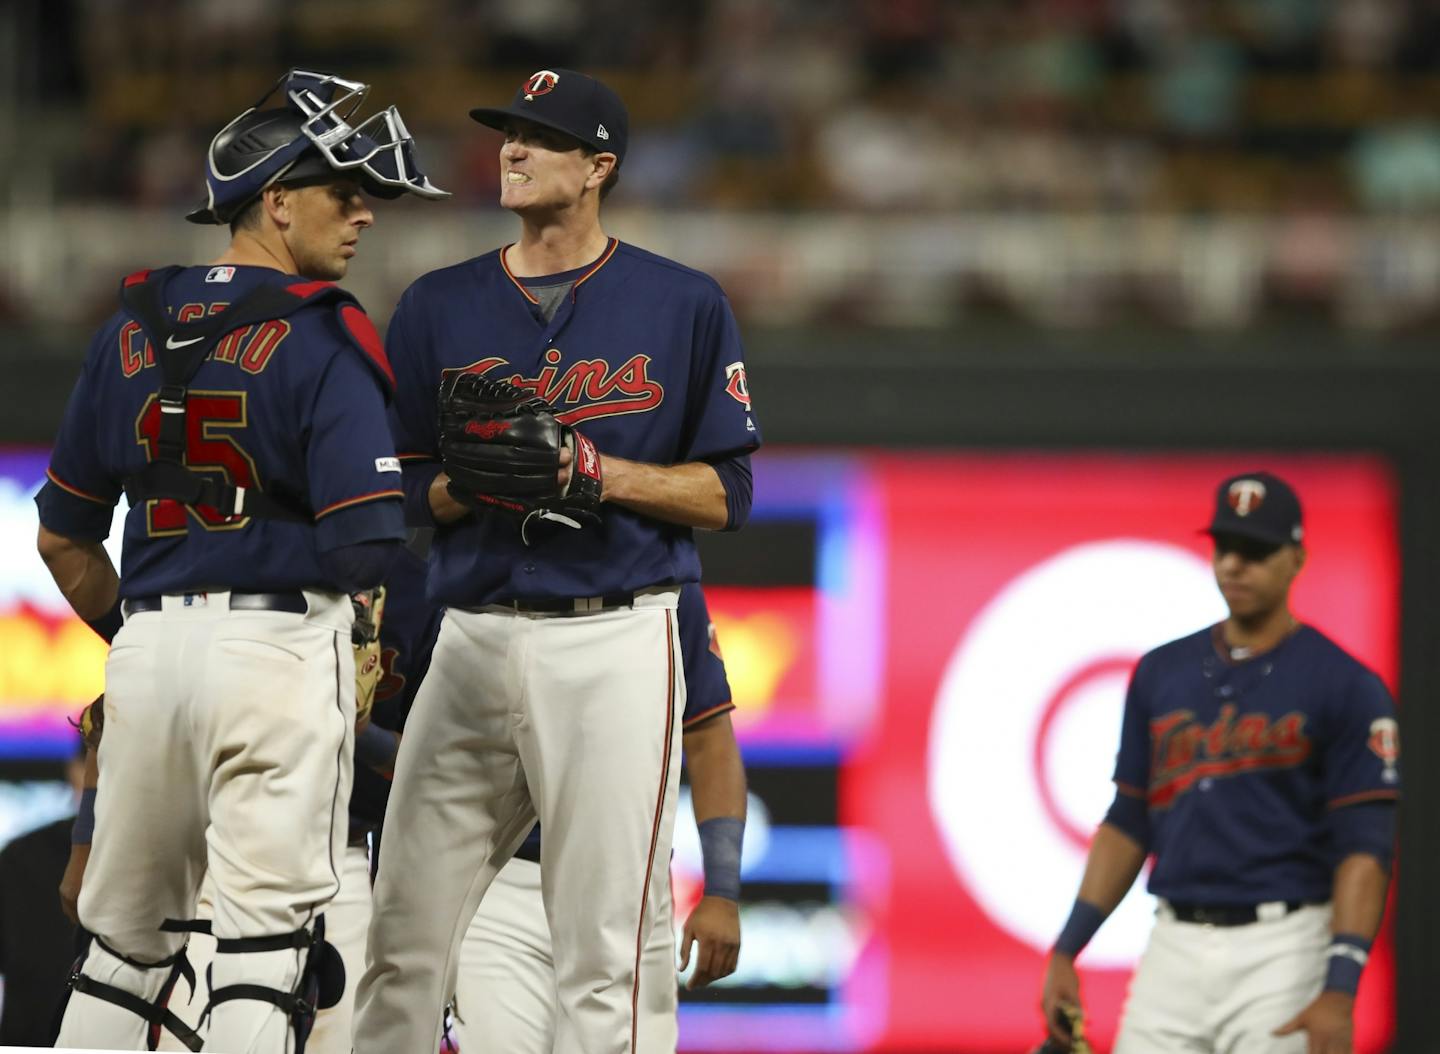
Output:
(1246, 155)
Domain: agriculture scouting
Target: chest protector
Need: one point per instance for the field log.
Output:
(180, 348)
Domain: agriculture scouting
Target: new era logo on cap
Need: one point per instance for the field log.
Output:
(600, 133)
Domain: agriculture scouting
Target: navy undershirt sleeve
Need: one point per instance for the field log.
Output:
(1131, 815)
(1366, 827)
(72, 517)
(416, 480)
(361, 565)
(738, 481)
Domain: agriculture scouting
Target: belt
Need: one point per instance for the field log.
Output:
(569, 605)
(295, 603)
(1235, 914)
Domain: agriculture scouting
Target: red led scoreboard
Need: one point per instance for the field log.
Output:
(929, 656)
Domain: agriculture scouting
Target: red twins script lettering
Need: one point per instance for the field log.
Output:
(591, 383)
(1183, 751)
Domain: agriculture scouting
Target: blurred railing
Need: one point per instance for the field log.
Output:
(1068, 271)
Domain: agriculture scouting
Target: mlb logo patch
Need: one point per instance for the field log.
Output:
(220, 274)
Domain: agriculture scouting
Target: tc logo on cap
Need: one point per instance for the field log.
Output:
(1246, 495)
(542, 83)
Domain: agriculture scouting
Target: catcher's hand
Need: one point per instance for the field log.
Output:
(369, 605)
(501, 446)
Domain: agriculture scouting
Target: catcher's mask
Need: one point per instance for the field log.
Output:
(309, 137)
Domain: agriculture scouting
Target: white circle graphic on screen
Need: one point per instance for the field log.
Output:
(1027, 721)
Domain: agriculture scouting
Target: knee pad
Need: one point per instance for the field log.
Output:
(156, 1013)
(320, 985)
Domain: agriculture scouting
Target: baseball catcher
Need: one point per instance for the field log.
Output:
(504, 447)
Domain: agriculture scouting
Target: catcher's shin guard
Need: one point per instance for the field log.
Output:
(119, 1002)
(299, 973)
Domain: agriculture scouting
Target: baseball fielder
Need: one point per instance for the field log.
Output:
(505, 995)
(1259, 764)
(555, 687)
(240, 410)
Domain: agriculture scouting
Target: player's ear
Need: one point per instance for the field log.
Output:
(278, 202)
(601, 165)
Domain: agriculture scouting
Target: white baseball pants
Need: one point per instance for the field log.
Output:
(505, 992)
(227, 745)
(1224, 989)
(573, 718)
(347, 921)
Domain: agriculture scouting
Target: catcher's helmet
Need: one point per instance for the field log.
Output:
(310, 136)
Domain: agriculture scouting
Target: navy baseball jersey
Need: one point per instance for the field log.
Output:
(707, 689)
(1241, 761)
(642, 355)
(292, 406)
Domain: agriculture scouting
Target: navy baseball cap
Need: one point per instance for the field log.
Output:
(1258, 505)
(569, 102)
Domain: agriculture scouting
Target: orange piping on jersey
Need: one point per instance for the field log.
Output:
(1125, 788)
(1353, 799)
(359, 500)
(604, 259)
(511, 275)
(416, 457)
(75, 490)
(705, 715)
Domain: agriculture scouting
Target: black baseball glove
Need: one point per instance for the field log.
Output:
(501, 444)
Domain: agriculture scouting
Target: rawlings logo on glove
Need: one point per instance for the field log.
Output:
(488, 430)
(501, 445)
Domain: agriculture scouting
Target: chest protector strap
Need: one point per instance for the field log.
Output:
(180, 348)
